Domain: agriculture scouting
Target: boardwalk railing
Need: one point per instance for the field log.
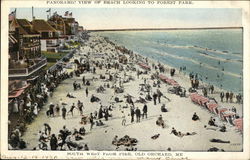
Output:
(29, 70)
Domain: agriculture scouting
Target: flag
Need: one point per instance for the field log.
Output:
(66, 13)
(70, 14)
(48, 10)
(12, 15)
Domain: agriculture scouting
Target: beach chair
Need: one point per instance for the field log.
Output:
(238, 124)
(211, 107)
(228, 116)
(220, 110)
(203, 101)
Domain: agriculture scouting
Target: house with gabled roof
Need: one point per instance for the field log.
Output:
(57, 22)
(49, 35)
(25, 59)
(71, 28)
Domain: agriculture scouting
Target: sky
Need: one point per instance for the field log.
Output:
(124, 18)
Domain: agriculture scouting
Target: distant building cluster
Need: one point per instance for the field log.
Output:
(27, 40)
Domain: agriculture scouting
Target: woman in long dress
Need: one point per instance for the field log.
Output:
(21, 107)
(35, 111)
(15, 106)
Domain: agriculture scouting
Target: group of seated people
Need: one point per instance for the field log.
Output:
(211, 122)
(78, 134)
(126, 141)
(179, 134)
(99, 123)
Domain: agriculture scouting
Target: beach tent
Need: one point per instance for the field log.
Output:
(228, 116)
(194, 97)
(199, 99)
(238, 124)
(212, 106)
(162, 77)
(203, 100)
(168, 80)
(220, 110)
(144, 66)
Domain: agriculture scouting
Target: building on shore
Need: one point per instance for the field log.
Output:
(71, 28)
(25, 59)
(49, 35)
(26, 63)
(66, 26)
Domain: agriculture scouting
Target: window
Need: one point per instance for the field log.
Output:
(49, 41)
(50, 34)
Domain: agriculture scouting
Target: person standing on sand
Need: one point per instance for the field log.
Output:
(145, 110)
(83, 80)
(53, 142)
(138, 114)
(57, 109)
(80, 107)
(231, 95)
(227, 96)
(72, 109)
(64, 111)
(132, 112)
(212, 89)
(155, 97)
(221, 96)
(47, 128)
(159, 94)
(100, 113)
(51, 109)
(91, 120)
(87, 92)
(234, 109)
(123, 119)
(204, 92)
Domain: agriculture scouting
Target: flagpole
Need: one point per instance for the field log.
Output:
(15, 13)
(32, 13)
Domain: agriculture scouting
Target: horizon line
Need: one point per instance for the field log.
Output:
(145, 29)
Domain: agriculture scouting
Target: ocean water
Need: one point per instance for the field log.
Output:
(215, 54)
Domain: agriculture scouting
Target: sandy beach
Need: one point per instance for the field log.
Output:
(179, 115)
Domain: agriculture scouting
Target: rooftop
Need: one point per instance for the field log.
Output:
(41, 25)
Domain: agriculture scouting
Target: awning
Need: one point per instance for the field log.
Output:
(26, 86)
(16, 93)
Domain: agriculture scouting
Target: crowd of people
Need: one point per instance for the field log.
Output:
(66, 139)
(29, 105)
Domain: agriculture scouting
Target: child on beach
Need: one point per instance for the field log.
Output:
(123, 119)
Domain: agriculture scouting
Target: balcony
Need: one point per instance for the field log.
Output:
(32, 44)
(52, 45)
(25, 72)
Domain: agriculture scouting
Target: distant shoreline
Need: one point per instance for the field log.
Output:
(159, 29)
